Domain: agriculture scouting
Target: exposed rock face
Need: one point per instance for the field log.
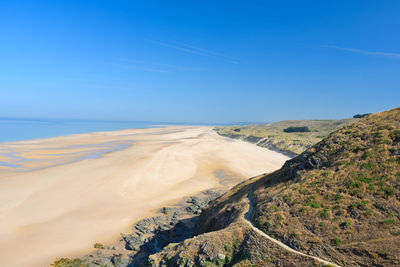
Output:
(339, 201)
(262, 142)
(148, 236)
(269, 143)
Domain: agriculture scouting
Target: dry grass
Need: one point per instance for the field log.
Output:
(273, 136)
(339, 200)
(351, 196)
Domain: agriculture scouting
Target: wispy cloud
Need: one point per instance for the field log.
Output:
(210, 53)
(146, 62)
(195, 50)
(365, 52)
(151, 66)
(136, 67)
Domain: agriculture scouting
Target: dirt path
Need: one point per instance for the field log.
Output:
(282, 245)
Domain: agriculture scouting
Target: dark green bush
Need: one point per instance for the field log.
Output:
(297, 129)
(336, 241)
(359, 116)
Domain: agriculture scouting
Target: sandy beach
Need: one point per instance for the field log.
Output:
(58, 196)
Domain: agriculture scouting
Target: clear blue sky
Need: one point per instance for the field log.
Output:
(198, 61)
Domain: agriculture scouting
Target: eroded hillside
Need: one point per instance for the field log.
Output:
(338, 201)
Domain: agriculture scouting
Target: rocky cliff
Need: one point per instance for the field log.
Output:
(337, 203)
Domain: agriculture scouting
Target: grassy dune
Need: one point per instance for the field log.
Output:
(272, 135)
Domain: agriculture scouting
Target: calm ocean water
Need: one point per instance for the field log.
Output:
(25, 129)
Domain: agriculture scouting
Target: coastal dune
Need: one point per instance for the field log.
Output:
(58, 196)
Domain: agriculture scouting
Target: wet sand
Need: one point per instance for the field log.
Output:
(59, 196)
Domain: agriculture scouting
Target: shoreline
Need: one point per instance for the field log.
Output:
(68, 127)
(15, 144)
(93, 200)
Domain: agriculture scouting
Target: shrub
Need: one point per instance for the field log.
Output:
(183, 261)
(361, 204)
(366, 155)
(353, 184)
(325, 213)
(314, 205)
(389, 191)
(336, 241)
(294, 129)
(368, 165)
(359, 116)
(338, 197)
(274, 208)
(389, 221)
(98, 245)
(228, 248)
(65, 262)
(363, 178)
(236, 243)
(368, 212)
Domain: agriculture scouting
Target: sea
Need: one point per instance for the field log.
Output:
(18, 129)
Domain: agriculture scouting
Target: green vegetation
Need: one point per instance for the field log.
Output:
(99, 245)
(298, 129)
(336, 241)
(65, 262)
(351, 191)
(274, 208)
(359, 116)
(314, 205)
(290, 137)
(236, 243)
(338, 197)
(389, 221)
(183, 261)
(359, 205)
(366, 154)
(325, 213)
(215, 262)
(267, 225)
